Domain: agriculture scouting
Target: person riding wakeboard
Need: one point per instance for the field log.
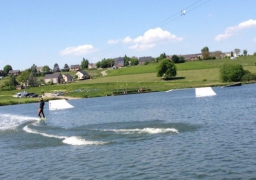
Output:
(41, 108)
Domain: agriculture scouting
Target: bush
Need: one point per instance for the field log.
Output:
(65, 70)
(166, 69)
(248, 76)
(178, 59)
(146, 63)
(231, 72)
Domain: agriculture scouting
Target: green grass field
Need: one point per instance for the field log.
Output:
(195, 73)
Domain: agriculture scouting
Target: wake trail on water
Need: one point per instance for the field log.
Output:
(10, 121)
(73, 140)
(144, 130)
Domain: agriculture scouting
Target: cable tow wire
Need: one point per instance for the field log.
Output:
(175, 16)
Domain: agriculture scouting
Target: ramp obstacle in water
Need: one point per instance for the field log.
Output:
(204, 91)
(59, 104)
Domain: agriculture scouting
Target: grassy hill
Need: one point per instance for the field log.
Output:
(196, 73)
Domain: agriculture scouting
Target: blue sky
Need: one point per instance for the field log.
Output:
(45, 32)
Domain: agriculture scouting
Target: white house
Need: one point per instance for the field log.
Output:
(92, 66)
(68, 78)
(82, 75)
(54, 78)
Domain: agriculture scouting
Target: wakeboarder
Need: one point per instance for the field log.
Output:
(41, 108)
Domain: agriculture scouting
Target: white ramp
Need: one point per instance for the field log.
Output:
(204, 91)
(59, 104)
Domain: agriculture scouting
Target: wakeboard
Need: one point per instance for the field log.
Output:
(42, 120)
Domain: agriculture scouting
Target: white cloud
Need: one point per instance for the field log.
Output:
(115, 41)
(79, 50)
(142, 46)
(127, 40)
(112, 41)
(155, 36)
(152, 37)
(149, 39)
(230, 31)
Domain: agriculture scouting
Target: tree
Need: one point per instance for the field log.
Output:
(175, 58)
(178, 59)
(134, 61)
(7, 68)
(237, 51)
(232, 54)
(23, 77)
(205, 53)
(166, 69)
(162, 56)
(33, 69)
(248, 76)
(12, 82)
(56, 68)
(217, 54)
(98, 64)
(245, 52)
(205, 49)
(254, 54)
(130, 61)
(84, 63)
(46, 69)
(66, 66)
(111, 62)
(231, 72)
(181, 59)
(126, 60)
(32, 81)
(146, 63)
(105, 63)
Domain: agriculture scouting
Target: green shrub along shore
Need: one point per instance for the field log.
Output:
(190, 74)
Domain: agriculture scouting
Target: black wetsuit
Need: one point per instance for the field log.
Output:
(41, 104)
(41, 109)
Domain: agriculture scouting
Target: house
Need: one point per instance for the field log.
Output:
(39, 69)
(54, 78)
(14, 72)
(92, 66)
(142, 60)
(74, 67)
(187, 57)
(191, 57)
(119, 62)
(225, 54)
(19, 87)
(68, 78)
(82, 75)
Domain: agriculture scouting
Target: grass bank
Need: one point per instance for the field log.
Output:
(195, 73)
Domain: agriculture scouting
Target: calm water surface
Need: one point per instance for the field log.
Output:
(165, 135)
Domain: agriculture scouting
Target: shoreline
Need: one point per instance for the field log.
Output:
(49, 96)
(35, 100)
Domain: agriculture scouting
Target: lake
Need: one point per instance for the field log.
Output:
(163, 135)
